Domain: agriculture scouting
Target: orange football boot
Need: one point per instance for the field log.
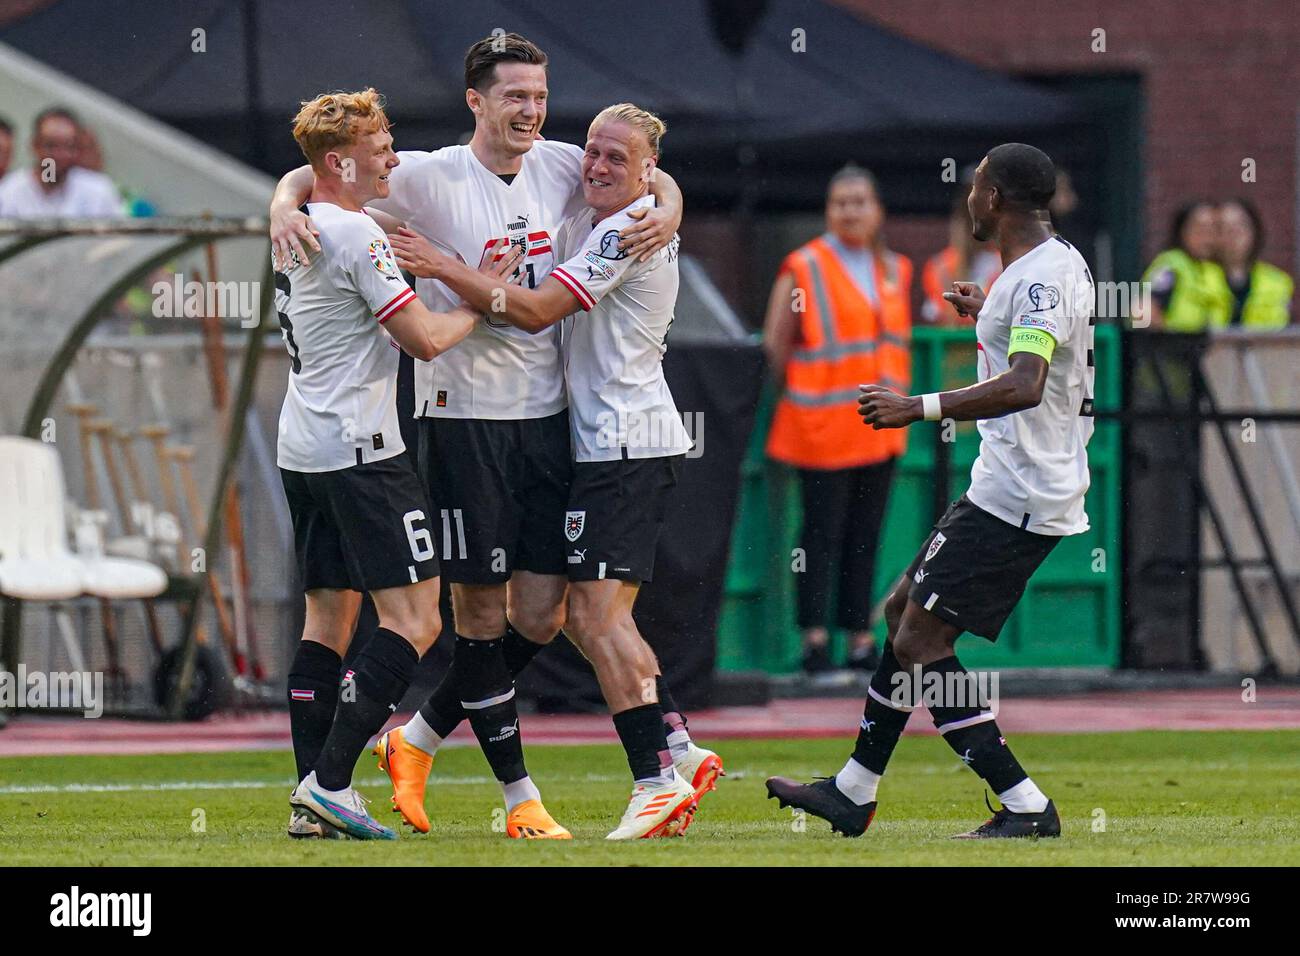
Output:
(408, 768)
(530, 821)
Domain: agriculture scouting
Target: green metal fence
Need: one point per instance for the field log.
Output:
(1070, 614)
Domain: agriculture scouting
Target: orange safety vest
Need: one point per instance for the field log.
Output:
(844, 341)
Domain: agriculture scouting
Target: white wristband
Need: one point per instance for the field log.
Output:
(930, 407)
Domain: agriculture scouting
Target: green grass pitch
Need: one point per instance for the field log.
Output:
(1157, 798)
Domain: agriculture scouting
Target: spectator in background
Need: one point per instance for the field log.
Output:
(839, 315)
(964, 259)
(1261, 293)
(1189, 292)
(6, 145)
(91, 156)
(54, 186)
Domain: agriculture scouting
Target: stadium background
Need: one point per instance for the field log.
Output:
(1167, 111)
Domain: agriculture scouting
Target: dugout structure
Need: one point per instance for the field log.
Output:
(133, 348)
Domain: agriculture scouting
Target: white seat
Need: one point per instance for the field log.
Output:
(122, 578)
(35, 563)
(34, 579)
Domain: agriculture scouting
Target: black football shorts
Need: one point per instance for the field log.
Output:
(361, 528)
(499, 488)
(973, 568)
(616, 512)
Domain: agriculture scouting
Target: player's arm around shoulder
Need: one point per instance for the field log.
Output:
(653, 228)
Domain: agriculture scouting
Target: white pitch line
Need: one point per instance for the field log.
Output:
(286, 784)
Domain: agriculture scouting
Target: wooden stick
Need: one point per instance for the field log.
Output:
(103, 429)
(108, 623)
(183, 456)
(241, 579)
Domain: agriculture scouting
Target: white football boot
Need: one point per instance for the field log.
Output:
(701, 769)
(656, 810)
(346, 811)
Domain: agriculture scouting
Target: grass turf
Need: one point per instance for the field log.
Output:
(1165, 798)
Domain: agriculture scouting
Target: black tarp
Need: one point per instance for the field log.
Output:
(767, 121)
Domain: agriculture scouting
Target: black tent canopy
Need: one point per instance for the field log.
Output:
(793, 86)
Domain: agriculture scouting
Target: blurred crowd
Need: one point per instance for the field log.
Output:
(65, 178)
(1211, 275)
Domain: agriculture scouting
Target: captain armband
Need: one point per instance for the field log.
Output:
(1033, 341)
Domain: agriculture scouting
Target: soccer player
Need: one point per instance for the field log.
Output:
(495, 426)
(360, 515)
(628, 440)
(1033, 405)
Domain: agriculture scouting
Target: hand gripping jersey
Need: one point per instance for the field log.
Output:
(498, 371)
(1032, 469)
(341, 405)
(613, 350)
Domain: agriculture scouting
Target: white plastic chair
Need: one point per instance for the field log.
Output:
(35, 563)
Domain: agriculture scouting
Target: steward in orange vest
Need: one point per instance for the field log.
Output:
(848, 334)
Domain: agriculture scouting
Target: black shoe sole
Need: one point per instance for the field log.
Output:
(784, 800)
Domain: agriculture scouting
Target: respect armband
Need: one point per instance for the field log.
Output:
(1033, 341)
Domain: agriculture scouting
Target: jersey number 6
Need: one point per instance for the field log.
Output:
(420, 540)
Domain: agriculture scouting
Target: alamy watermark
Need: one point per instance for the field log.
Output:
(650, 430)
(178, 299)
(53, 690)
(952, 689)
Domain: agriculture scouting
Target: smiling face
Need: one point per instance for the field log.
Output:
(510, 112)
(363, 166)
(616, 166)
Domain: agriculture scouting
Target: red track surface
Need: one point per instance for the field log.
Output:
(1200, 709)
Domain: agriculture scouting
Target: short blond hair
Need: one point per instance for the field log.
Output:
(652, 126)
(337, 119)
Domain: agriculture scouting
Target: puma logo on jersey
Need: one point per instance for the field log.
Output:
(506, 733)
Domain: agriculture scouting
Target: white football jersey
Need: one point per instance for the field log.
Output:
(614, 348)
(341, 405)
(1032, 469)
(451, 198)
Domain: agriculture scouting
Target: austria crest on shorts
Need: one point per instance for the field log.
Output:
(574, 522)
(935, 545)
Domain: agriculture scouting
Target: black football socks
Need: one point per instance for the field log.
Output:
(970, 730)
(369, 695)
(442, 712)
(313, 696)
(889, 705)
(643, 733)
(487, 693)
